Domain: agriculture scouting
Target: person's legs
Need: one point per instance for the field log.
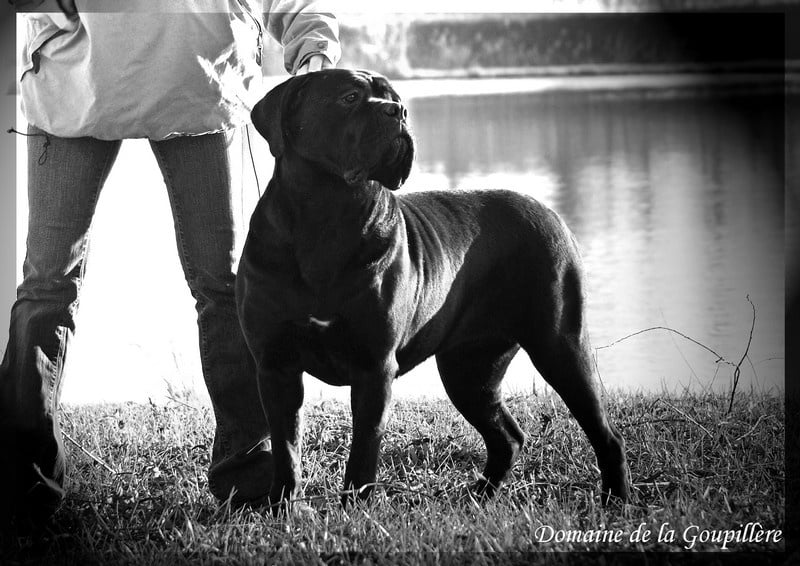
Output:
(198, 178)
(65, 176)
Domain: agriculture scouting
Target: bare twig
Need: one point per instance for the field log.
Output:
(680, 352)
(720, 359)
(737, 369)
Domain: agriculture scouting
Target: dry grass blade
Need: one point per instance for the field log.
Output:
(88, 453)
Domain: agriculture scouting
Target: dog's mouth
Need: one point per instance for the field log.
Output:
(391, 168)
(400, 146)
(396, 163)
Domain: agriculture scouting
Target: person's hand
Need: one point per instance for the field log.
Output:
(68, 7)
(315, 63)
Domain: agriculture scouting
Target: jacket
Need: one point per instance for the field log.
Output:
(158, 68)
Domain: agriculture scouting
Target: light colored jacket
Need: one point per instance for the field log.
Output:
(159, 68)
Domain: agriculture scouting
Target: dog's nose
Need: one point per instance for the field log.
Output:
(396, 110)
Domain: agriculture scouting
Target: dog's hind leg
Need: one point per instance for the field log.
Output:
(471, 375)
(559, 349)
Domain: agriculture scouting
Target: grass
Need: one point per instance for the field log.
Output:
(147, 502)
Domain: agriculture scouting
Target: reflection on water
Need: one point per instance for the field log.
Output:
(677, 203)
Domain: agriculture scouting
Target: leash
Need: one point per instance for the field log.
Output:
(246, 137)
(252, 159)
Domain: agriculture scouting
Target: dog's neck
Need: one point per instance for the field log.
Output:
(320, 196)
(328, 222)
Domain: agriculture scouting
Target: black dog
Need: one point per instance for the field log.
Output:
(345, 280)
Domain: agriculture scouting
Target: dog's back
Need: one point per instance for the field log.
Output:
(506, 254)
(460, 219)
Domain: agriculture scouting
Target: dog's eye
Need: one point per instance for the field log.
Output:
(350, 98)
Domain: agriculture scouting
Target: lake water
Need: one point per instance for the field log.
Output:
(676, 196)
(677, 200)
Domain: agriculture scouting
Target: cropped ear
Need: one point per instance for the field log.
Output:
(270, 113)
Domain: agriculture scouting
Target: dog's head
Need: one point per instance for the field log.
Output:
(349, 123)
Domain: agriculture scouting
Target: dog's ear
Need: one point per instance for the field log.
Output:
(269, 113)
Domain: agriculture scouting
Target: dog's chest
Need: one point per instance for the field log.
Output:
(327, 349)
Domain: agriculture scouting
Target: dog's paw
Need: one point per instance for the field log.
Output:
(279, 508)
(296, 509)
(302, 510)
(280, 499)
(616, 488)
(484, 489)
(618, 495)
(352, 495)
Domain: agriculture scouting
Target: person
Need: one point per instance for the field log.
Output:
(90, 78)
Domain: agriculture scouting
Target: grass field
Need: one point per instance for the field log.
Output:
(138, 494)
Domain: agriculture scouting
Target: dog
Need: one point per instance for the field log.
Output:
(342, 278)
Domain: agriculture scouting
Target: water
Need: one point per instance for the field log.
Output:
(676, 199)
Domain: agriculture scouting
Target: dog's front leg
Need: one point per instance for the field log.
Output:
(370, 402)
(282, 396)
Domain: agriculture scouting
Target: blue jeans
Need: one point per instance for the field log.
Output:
(65, 176)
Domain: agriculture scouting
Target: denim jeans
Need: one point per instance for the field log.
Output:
(65, 176)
